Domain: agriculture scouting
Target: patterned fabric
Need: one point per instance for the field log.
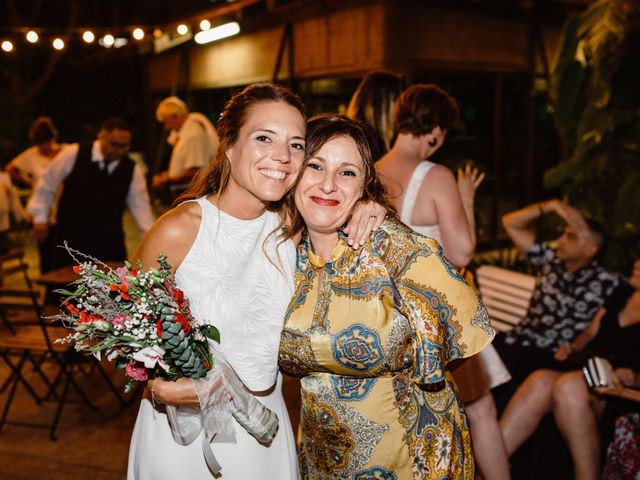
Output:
(563, 303)
(371, 332)
(623, 455)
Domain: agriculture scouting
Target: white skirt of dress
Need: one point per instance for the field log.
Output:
(154, 455)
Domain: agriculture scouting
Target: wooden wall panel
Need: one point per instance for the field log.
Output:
(163, 71)
(402, 35)
(440, 37)
(237, 61)
(345, 42)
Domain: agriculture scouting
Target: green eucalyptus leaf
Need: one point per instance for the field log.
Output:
(210, 332)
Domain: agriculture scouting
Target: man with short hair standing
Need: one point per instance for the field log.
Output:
(194, 140)
(99, 182)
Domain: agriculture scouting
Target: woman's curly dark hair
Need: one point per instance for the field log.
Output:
(322, 129)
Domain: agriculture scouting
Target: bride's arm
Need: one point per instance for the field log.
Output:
(172, 235)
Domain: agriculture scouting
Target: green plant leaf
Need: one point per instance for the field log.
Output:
(570, 96)
(211, 332)
(556, 177)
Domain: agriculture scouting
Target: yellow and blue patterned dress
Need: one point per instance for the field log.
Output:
(370, 332)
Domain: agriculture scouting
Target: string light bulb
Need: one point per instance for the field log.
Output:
(138, 34)
(205, 24)
(182, 29)
(157, 33)
(108, 40)
(58, 43)
(32, 37)
(88, 36)
(7, 46)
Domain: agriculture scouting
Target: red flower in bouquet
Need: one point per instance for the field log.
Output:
(186, 326)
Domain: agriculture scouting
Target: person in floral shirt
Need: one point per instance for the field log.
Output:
(570, 287)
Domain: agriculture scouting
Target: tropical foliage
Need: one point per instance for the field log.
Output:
(596, 87)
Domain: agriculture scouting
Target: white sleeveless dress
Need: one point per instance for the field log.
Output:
(486, 370)
(231, 283)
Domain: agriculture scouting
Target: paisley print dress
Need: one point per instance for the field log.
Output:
(370, 332)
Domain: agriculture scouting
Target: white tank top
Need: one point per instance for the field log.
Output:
(410, 196)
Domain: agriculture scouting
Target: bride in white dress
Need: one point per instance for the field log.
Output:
(237, 275)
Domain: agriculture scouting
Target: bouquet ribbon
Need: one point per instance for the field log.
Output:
(222, 397)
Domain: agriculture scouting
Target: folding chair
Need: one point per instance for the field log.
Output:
(10, 263)
(33, 345)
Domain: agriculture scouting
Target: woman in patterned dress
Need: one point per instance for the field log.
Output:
(371, 331)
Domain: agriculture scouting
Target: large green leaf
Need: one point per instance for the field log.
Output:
(556, 177)
(565, 55)
(570, 94)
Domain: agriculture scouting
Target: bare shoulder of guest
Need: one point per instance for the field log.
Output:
(172, 235)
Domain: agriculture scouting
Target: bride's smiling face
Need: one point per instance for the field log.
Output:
(267, 156)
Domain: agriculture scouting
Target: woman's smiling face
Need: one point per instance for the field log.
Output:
(269, 152)
(332, 182)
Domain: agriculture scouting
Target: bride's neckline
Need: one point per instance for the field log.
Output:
(233, 217)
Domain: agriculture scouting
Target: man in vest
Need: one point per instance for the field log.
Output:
(99, 181)
(194, 140)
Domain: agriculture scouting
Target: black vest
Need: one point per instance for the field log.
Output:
(91, 207)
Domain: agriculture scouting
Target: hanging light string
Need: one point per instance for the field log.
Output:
(14, 38)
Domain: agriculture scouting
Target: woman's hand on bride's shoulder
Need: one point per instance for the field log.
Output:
(366, 218)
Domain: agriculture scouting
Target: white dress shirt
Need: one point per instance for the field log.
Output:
(194, 145)
(32, 162)
(42, 200)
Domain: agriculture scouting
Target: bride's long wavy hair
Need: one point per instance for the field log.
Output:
(215, 178)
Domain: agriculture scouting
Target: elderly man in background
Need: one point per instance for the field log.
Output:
(194, 140)
(99, 181)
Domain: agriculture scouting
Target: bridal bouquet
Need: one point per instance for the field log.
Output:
(138, 318)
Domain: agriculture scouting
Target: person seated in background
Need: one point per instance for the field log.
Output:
(374, 101)
(26, 168)
(195, 143)
(99, 181)
(570, 287)
(614, 334)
